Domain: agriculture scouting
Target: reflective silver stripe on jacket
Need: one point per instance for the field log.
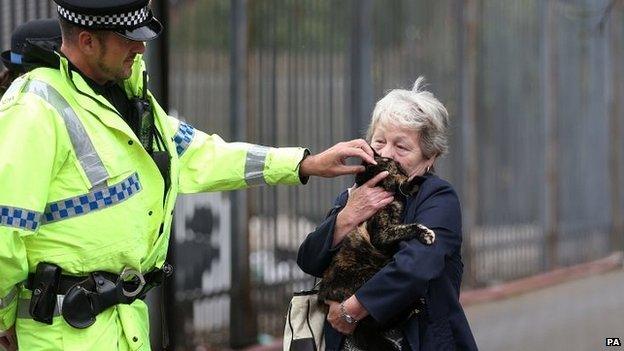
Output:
(6, 300)
(23, 307)
(254, 164)
(92, 201)
(87, 156)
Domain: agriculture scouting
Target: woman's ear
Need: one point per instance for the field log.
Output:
(431, 162)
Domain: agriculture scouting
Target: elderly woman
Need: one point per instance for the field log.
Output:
(411, 127)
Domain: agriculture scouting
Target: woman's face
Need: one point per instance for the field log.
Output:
(402, 146)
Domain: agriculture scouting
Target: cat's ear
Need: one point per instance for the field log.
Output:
(370, 171)
(375, 154)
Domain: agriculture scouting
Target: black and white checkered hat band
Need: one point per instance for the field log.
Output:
(118, 20)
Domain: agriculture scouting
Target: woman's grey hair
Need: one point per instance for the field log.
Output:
(417, 110)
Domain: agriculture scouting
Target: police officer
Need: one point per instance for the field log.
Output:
(31, 43)
(90, 167)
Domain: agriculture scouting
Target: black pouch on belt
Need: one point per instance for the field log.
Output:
(86, 299)
(44, 287)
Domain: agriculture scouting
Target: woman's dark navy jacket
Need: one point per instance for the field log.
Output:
(434, 272)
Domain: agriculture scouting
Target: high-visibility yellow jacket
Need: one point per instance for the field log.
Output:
(78, 189)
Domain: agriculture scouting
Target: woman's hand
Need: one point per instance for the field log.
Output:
(352, 307)
(364, 201)
(334, 317)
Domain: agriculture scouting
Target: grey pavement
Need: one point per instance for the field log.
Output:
(576, 315)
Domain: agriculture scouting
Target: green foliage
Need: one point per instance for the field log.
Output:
(200, 24)
(292, 25)
(299, 25)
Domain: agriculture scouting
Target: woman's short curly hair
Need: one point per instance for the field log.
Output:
(416, 110)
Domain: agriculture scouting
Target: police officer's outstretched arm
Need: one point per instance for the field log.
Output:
(208, 163)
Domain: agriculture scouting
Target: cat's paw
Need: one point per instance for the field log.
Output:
(427, 236)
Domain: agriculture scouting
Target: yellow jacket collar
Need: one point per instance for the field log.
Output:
(133, 86)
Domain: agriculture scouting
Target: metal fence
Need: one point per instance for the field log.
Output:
(534, 89)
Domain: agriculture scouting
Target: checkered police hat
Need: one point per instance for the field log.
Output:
(132, 19)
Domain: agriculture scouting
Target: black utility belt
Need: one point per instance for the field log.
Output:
(87, 296)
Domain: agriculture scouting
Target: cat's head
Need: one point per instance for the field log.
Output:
(396, 181)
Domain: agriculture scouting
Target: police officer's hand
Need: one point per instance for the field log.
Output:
(332, 162)
(8, 339)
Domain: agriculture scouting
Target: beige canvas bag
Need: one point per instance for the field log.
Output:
(303, 330)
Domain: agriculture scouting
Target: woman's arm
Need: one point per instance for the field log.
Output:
(407, 276)
(350, 209)
(316, 251)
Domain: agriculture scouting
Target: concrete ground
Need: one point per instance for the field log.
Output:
(577, 315)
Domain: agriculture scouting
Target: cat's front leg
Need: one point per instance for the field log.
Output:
(397, 233)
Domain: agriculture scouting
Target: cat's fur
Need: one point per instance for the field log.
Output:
(368, 248)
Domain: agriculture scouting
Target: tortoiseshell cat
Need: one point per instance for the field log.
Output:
(369, 247)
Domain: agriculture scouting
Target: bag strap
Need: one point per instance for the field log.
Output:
(309, 325)
(292, 330)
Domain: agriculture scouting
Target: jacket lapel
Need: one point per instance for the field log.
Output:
(411, 332)
(90, 101)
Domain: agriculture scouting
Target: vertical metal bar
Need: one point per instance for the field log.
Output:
(22, 11)
(157, 54)
(161, 301)
(5, 26)
(168, 326)
(545, 45)
(332, 52)
(469, 35)
(548, 85)
(53, 9)
(14, 19)
(243, 323)
(614, 54)
(361, 65)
